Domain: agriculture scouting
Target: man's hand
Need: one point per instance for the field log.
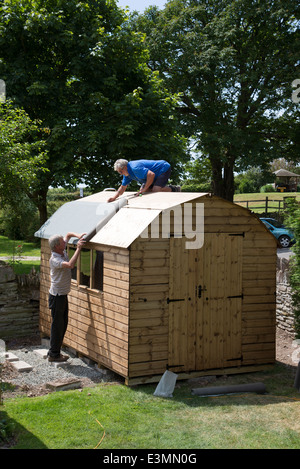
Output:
(140, 192)
(81, 242)
(148, 183)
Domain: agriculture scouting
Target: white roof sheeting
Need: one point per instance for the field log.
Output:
(79, 216)
(163, 200)
(127, 225)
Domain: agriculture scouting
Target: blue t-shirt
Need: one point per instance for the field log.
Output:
(138, 170)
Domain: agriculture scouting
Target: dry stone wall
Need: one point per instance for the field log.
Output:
(19, 303)
(284, 307)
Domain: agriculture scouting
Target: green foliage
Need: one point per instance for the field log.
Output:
(19, 218)
(196, 187)
(6, 429)
(267, 188)
(252, 180)
(233, 63)
(197, 173)
(293, 222)
(22, 152)
(77, 67)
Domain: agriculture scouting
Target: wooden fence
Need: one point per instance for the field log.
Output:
(265, 205)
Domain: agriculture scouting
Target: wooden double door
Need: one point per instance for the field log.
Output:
(205, 303)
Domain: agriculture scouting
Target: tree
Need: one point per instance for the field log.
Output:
(22, 152)
(252, 180)
(74, 66)
(233, 63)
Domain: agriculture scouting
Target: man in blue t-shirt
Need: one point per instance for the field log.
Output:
(152, 174)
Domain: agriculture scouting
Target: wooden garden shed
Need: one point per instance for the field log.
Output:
(177, 281)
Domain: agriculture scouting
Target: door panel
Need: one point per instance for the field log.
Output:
(181, 308)
(205, 325)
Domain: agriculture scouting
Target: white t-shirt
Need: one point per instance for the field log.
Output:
(60, 277)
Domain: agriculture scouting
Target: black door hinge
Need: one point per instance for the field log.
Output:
(172, 300)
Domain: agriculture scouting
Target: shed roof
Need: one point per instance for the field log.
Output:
(131, 222)
(92, 213)
(117, 223)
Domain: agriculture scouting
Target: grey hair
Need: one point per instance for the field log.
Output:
(54, 241)
(120, 164)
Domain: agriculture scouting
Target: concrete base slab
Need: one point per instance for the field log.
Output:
(11, 357)
(58, 364)
(61, 386)
(21, 366)
(42, 352)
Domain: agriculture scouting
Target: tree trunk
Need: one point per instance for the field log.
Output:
(229, 180)
(223, 178)
(42, 207)
(39, 198)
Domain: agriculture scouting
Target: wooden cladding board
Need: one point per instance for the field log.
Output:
(149, 276)
(259, 303)
(98, 321)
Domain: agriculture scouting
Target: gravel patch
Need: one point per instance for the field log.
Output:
(36, 382)
(43, 371)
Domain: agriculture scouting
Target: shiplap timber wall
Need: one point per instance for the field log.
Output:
(149, 311)
(98, 321)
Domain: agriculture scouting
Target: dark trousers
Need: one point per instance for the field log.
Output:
(59, 312)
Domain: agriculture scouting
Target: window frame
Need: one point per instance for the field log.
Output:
(92, 261)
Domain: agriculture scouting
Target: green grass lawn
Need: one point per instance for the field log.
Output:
(263, 195)
(16, 250)
(121, 417)
(9, 246)
(25, 267)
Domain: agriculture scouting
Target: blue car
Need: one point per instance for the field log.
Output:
(284, 236)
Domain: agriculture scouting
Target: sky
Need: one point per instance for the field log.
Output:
(140, 5)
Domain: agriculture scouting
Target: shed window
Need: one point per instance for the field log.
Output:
(71, 252)
(85, 267)
(88, 271)
(97, 281)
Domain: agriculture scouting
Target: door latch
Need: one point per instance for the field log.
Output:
(199, 290)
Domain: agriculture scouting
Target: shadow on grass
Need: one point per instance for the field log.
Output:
(279, 383)
(12, 430)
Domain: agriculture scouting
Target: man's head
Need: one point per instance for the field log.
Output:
(57, 244)
(121, 166)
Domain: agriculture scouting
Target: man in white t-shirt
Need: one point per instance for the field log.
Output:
(60, 274)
